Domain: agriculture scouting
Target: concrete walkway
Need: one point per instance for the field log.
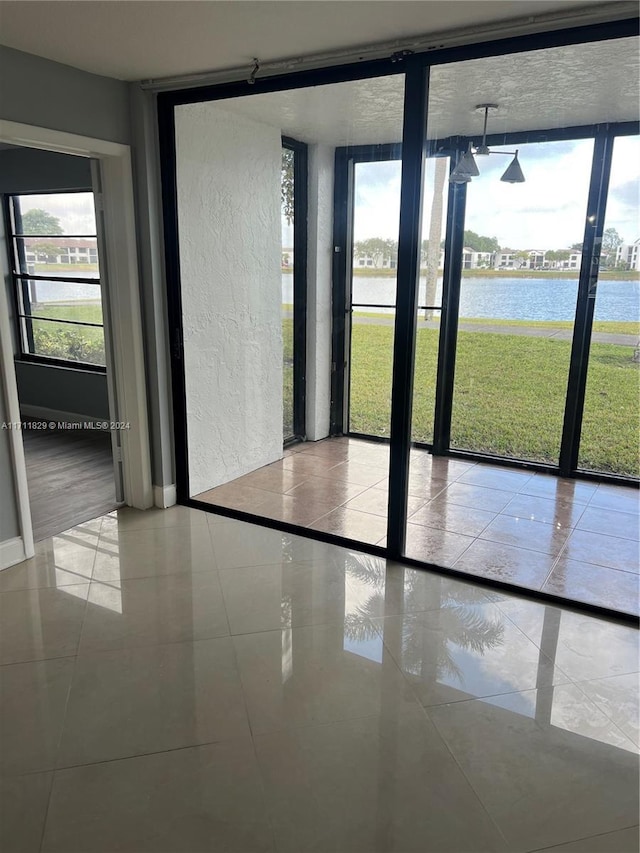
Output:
(499, 329)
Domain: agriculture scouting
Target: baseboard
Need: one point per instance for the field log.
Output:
(11, 552)
(164, 496)
(43, 414)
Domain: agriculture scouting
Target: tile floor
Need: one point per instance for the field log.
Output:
(177, 682)
(575, 539)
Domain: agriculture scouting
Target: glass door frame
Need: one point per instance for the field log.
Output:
(415, 68)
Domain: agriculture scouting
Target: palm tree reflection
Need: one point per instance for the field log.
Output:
(459, 612)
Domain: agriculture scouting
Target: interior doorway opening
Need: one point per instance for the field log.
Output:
(55, 281)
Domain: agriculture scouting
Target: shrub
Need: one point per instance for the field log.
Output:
(68, 344)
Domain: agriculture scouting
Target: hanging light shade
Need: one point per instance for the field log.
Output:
(465, 169)
(513, 173)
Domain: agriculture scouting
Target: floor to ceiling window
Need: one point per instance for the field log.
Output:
(518, 299)
(527, 194)
(376, 211)
(609, 439)
(449, 283)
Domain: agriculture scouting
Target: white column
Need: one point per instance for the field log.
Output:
(228, 179)
(319, 280)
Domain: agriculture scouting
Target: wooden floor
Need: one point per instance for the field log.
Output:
(71, 478)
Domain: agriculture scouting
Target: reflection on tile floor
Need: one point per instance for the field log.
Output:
(177, 682)
(574, 539)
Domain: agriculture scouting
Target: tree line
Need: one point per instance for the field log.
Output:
(380, 250)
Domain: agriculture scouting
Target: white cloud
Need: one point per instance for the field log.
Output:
(546, 212)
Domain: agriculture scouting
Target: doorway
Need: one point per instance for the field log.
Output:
(111, 180)
(56, 292)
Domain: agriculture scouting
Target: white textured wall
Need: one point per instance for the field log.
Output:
(319, 278)
(228, 179)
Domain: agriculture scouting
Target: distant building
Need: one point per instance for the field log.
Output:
(472, 260)
(60, 250)
(570, 263)
(628, 255)
(504, 260)
(386, 262)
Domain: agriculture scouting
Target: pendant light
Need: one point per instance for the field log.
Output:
(466, 168)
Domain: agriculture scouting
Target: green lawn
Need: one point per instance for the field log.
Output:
(287, 376)
(509, 395)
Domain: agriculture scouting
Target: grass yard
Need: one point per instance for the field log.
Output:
(509, 395)
(287, 375)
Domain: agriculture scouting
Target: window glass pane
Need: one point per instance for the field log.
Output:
(70, 257)
(376, 218)
(611, 421)
(63, 300)
(52, 214)
(517, 309)
(434, 218)
(75, 343)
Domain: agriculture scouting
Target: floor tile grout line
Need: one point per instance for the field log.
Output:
(134, 756)
(472, 787)
(583, 560)
(550, 848)
(596, 704)
(46, 810)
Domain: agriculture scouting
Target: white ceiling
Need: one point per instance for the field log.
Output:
(135, 40)
(558, 87)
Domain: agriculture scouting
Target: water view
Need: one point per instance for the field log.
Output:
(506, 298)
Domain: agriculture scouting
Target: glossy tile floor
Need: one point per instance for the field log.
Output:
(572, 538)
(174, 682)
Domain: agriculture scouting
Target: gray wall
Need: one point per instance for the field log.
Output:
(47, 94)
(63, 389)
(42, 385)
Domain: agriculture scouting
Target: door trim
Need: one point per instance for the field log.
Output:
(124, 302)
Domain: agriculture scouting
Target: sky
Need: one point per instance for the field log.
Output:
(546, 212)
(74, 210)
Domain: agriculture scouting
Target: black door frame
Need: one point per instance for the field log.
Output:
(415, 67)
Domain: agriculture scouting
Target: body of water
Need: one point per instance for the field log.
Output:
(506, 298)
(499, 298)
(65, 291)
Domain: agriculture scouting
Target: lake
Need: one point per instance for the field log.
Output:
(507, 298)
(501, 298)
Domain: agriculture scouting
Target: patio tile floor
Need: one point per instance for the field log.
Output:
(575, 539)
